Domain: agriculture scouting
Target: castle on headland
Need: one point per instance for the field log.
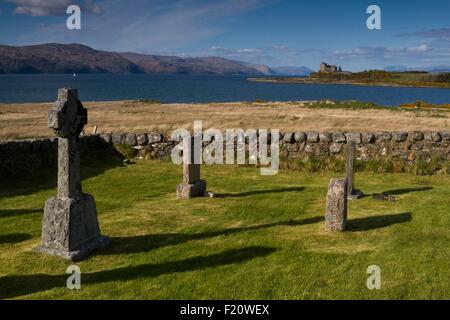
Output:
(324, 67)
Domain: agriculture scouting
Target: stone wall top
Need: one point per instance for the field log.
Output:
(299, 136)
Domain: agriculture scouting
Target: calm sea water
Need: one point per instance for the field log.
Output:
(204, 88)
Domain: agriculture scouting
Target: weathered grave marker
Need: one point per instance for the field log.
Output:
(336, 211)
(192, 185)
(352, 193)
(70, 227)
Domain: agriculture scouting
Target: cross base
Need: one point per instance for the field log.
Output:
(336, 226)
(70, 228)
(79, 254)
(188, 191)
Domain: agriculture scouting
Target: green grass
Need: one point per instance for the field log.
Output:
(262, 239)
(369, 77)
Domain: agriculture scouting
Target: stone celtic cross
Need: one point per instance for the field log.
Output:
(70, 227)
(67, 119)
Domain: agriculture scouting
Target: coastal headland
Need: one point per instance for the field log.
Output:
(415, 79)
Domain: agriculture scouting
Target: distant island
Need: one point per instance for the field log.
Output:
(332, 74)
(55, 58)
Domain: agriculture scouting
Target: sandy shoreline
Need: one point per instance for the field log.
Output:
(20, 121)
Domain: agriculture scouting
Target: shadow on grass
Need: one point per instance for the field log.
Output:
(399, 192)
(18, 212)
(378, 222)
(256, 192)
(14, 286)
(145, 243)
(14, 238)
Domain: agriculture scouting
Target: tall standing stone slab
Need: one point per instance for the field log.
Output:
(336, 211)
(352, 193)
(192, 185)
(70, 227)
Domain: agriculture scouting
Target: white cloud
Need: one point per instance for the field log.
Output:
(149, 25)
(442, 34)
(381, 52)
(249, 50)
(275, 55)
(421, 55)
(215, 48)
(280, 47)
(421, 48)
(50, 7)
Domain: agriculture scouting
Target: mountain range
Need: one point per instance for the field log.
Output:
(56, 58)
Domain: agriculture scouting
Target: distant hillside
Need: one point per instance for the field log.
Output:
(292, 71)
(175, 65)
(262, 68)
(439, 69)
(75, 58)
(60, 58)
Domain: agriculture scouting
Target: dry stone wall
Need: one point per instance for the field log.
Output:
(401, 146)
(26, 156)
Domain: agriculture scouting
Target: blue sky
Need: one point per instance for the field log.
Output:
(272, 32)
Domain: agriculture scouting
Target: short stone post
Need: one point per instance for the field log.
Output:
(352, 193)
(70, 227)
(336, 211)
(192, 185)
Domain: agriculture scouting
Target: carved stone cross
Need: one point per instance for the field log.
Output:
(192, 185)
(70, 227)
(191, 161)
(350, 167)
(352, 193)
(67, 119)
(336, 210)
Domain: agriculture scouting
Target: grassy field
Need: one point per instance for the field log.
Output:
(30, 120)
(263, 238)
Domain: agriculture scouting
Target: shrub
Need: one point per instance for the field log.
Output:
(126, 150)
(313, 164)
(421, 168)
(150, 101)
(379, 166)
(336, 165)
(443, 78)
